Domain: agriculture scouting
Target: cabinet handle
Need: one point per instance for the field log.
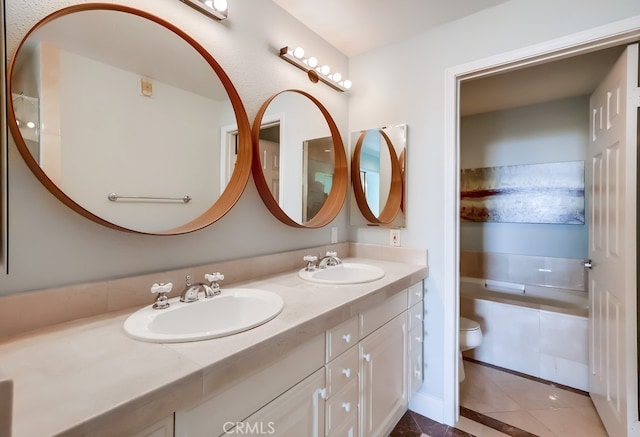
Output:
(346, 406)
(419, 339)
(323, 393)
(419, 317)
(417, 373)
(347, 372)
(367, 357)
(346, 338)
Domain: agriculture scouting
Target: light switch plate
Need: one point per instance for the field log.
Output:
(334, 235)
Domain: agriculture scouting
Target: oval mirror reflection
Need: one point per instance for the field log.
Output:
(377, 174)
(111, 122)
(299, 160)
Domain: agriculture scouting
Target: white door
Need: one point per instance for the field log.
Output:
(270, 157)
(612, 247)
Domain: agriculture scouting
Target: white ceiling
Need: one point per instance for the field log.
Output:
(569, 77)
(357, 26)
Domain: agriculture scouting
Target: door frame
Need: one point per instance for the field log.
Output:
(602, 37)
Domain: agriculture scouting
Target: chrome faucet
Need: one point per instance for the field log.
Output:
(190, 292)
(329, 260)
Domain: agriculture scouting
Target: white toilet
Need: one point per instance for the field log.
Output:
(470, 337)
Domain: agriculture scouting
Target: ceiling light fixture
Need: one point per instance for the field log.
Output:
(216, 9)
(316, 73)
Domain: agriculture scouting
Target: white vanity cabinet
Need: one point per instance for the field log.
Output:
(355, 380)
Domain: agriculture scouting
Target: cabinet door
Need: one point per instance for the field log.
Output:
(297, 412)
(383, 364)
(414, 370)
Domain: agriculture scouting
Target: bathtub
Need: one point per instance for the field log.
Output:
(545, 298)
(538, 331)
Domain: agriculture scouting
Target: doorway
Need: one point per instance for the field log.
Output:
(597, 39)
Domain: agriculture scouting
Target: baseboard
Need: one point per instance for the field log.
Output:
(428, 406)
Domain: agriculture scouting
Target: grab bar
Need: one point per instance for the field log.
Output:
(113, 197)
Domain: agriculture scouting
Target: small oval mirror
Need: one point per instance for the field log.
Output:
(108, 118)
(377, 174)
(299, 161)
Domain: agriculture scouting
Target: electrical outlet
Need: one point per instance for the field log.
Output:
(334, 235)
(394, 238)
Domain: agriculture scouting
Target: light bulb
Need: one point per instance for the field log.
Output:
(337, 77)
(209, 3)
(220, 5)
(31, 124)
(347, 84)
(325, 70)
(298, 52)
(313, 62)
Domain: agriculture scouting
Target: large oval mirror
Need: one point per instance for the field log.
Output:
(299, 162)
(128, 120)
(377, 174)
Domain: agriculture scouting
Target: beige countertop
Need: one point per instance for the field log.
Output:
(88, 377)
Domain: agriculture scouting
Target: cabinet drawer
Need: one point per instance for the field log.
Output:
(373, 318)
(415, 314)
(416, 292)
(341, 406)
(342, 371)
(341, 338)
(348, 429)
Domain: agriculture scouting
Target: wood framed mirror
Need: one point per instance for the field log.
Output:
(299, 160)
(4, 174)
(377, 175)
(102, 104)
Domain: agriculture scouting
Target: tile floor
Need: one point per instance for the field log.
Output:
(499, 403)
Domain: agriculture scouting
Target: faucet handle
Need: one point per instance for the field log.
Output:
(331, 253)
(161, 287)
(214, 277)
(310, 260)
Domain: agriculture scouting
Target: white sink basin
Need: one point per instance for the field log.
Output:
(345, 273)
(232, 311)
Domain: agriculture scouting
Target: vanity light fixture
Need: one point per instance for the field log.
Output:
(213, 8)
(314, 71)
